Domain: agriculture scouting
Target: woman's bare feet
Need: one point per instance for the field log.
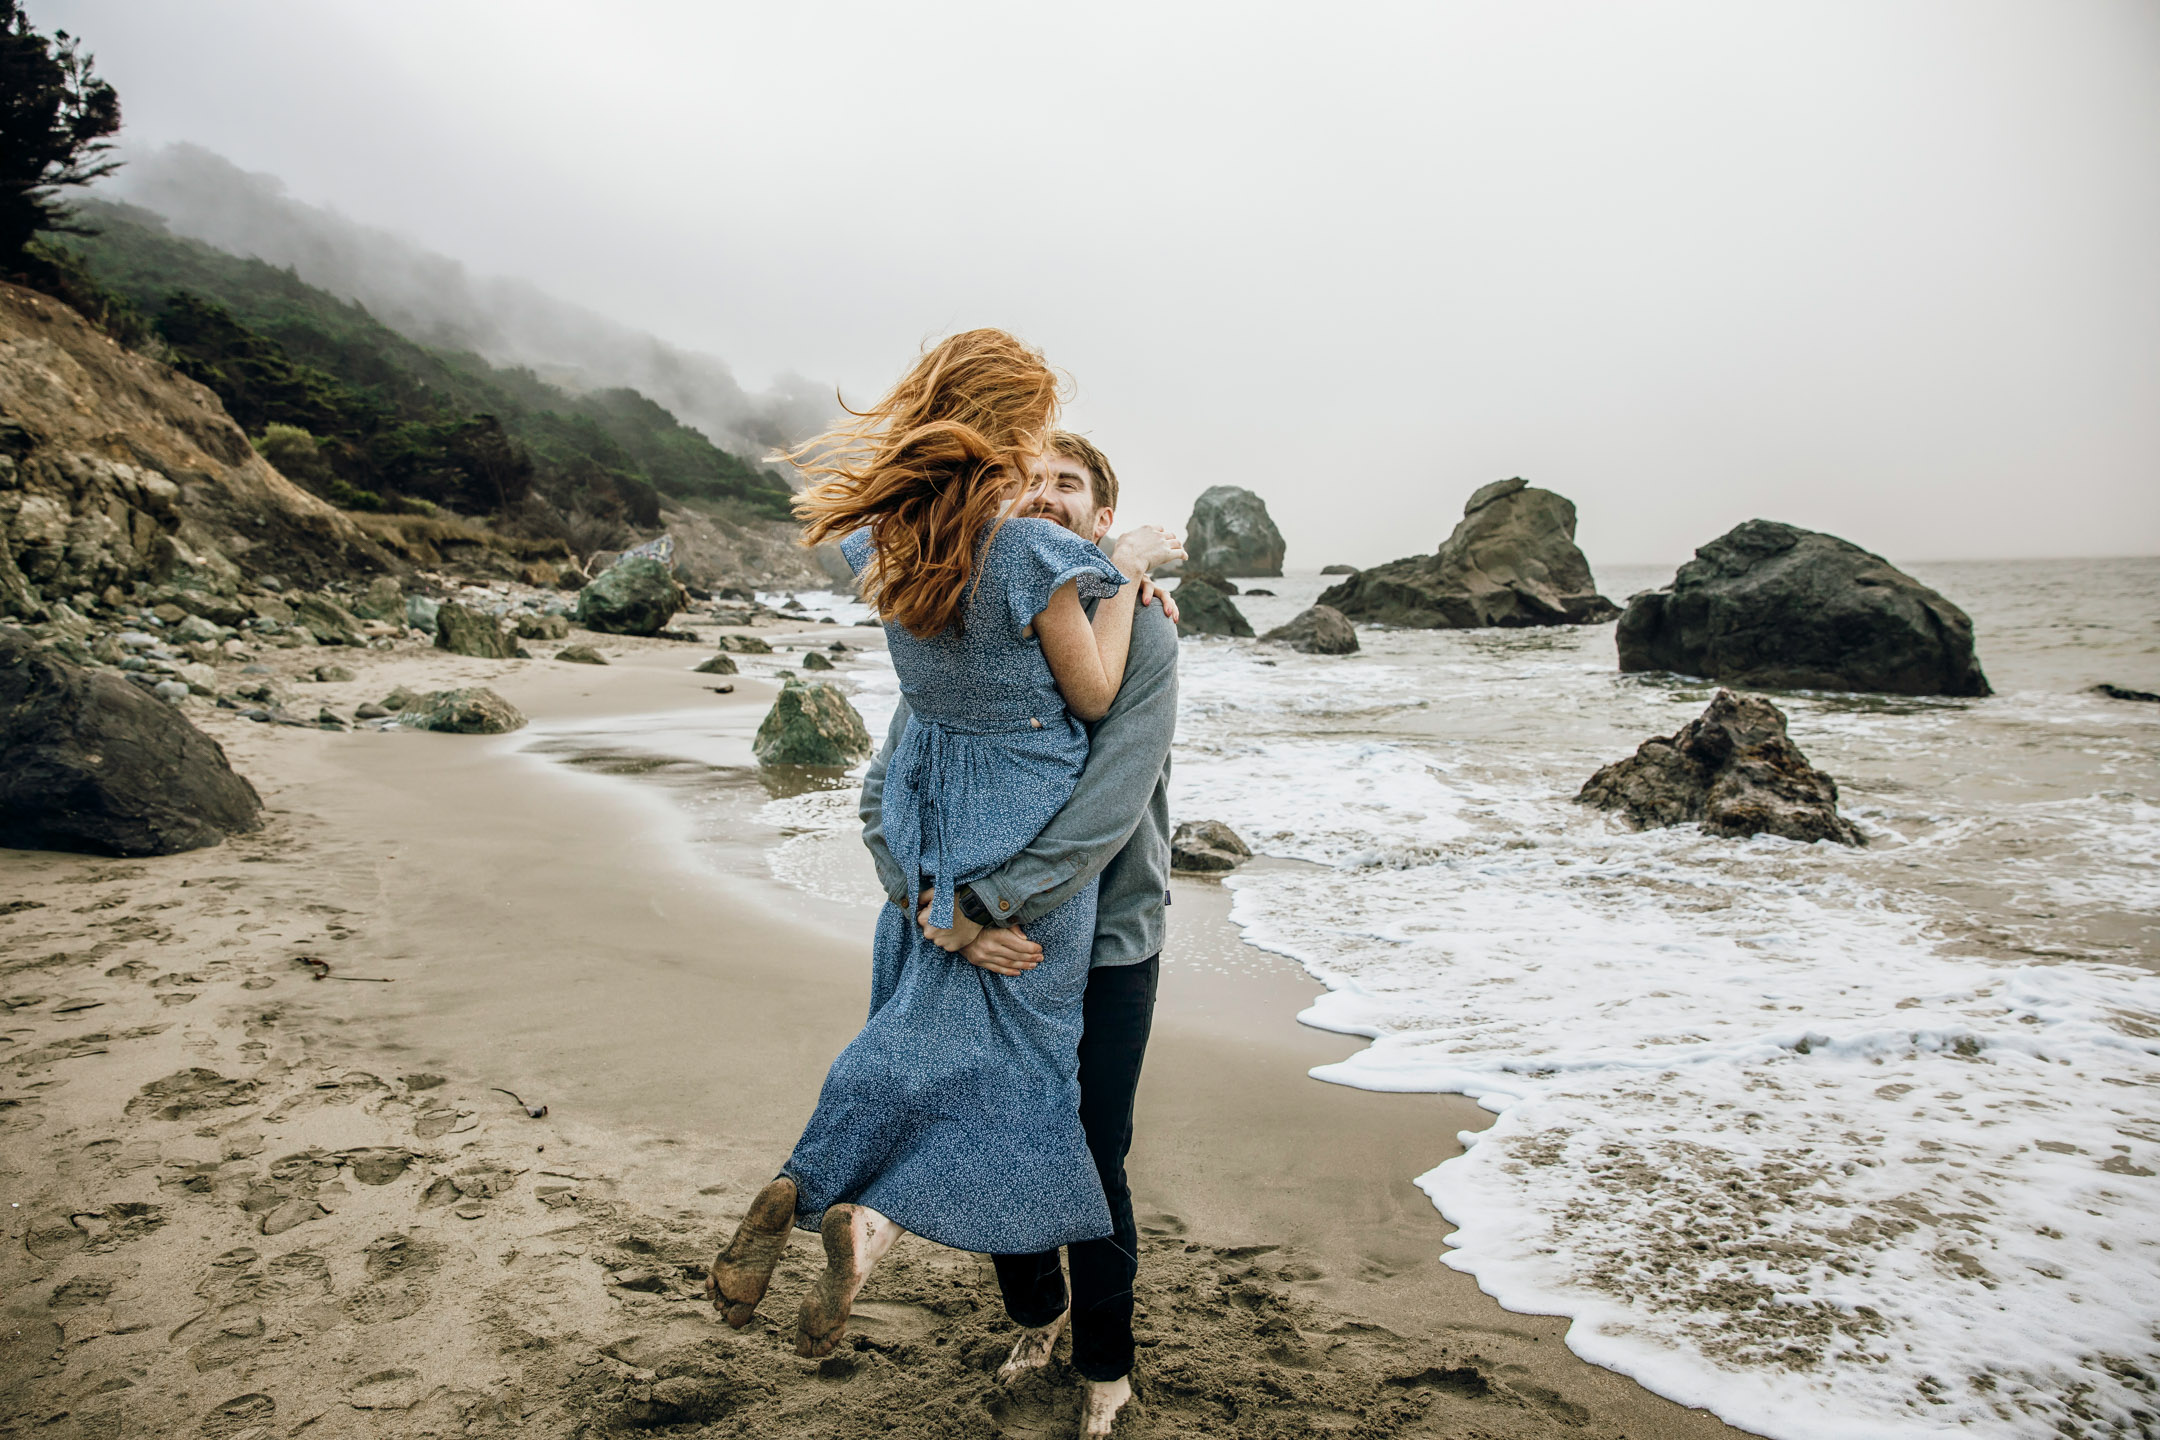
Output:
(1032, 1350)
(856, 1238)
(1099, 1411)
(741, 1271)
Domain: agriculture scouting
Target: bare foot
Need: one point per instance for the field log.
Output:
(1104, 1399)
(741, 1272)
(1032, 1350)
(856, 1238)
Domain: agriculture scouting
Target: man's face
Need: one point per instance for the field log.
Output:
(1061, 490)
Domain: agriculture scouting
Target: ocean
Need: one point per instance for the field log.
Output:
(1832, 1142)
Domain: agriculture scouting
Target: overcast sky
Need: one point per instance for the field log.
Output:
(1889, 268)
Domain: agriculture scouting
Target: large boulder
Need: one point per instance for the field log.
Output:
(96, 764)
(1230, 533)
(1734, 770)
(1204, 610)
(462, 631)
(1322, 630)
(635, 596)
(811, 723)
(382, 599)
(1777, 606)
(1511, 561)
(474, 711)
(329, 622)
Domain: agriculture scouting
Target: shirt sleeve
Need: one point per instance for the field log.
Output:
(1033, 558)
(855, 549)
(872, 810)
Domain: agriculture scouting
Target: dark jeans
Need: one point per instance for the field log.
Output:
(1118, 1010)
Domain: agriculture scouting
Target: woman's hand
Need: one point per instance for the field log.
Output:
(1142, 549)
(1150, 593)
(958, 938)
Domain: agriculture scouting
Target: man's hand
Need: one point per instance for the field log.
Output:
(1150, 593)
(963, 929)
(1003, 952)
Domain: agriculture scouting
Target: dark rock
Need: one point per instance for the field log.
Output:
(1209, 578)
(1338, 570)
(636, 596)
(370, 711)
(1774, 605)
(1733, 769)
(1204, 610)
(812, 660)
(811, 723)
(94, 764)
(1256, 590)
(2117, 692)
(543, 627)
(329, 622)
(743, 644)
(1231, 534)
(474, 711)
(1207, 847)
(581, 655)
(718, 665)
(471, 632)
(1321, 630)
(1511, 561)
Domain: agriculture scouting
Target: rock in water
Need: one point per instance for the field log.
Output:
(1338, 569)
(635, 596)
(1733, 769)
(471, 632)
(1207, 846)
(581, 655)
(1193, 575)
(476, 711)
(2123, 692)
(1204, 610)
(96, 764)
(1774, 605)
(1230, 533)
(718, 665)
(1511, 561)
(811, 723)
(812, 660)
(1321, 630)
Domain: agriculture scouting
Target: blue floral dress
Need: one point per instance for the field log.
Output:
(956, 1110)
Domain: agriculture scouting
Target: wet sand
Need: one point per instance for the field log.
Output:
(248, 1203)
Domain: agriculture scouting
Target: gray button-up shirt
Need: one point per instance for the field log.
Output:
(1117, 822)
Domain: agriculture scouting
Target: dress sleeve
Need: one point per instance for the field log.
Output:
(1034, 557)
(855, 549)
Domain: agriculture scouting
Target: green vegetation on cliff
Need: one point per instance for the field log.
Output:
(392, 421)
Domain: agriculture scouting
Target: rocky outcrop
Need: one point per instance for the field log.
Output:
(1338, 570)
(811, 723)
(635, 596)
(1192, 575)
(1511, 561)
(329, 622)
(472, 632)
(117, 472)
(1204, 610)
(1321, 630)
(96, 764)
(1202, 847)
(474, 711)
(1734, 770)
(1776, 606)
(1230, 533)
(2123, 692)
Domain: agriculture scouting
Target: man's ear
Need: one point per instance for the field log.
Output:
(1103, 517)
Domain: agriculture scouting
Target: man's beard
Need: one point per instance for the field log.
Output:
(1057, 518)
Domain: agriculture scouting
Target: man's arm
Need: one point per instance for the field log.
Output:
(1125, 760)
(872, 809)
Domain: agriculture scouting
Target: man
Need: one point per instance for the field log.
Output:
(1117, 824)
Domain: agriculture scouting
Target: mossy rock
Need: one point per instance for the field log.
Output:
(743, 645)
(471, 632)
(474, 711)
(811, 723)
(636, 596)
(718, 665)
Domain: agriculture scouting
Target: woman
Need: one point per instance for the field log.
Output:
(955, 1112)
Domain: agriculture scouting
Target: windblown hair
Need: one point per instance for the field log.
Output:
(1102, 480)
(931, 469)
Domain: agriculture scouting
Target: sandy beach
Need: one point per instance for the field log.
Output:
(248, 1202)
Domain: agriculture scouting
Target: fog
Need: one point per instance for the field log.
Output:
(1880, 267)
